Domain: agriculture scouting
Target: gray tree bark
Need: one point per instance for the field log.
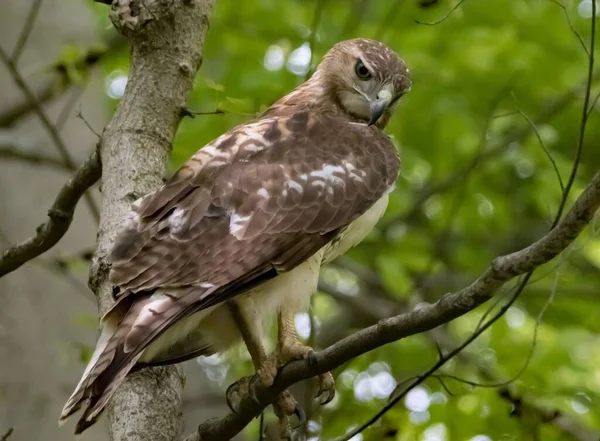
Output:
(166, 51)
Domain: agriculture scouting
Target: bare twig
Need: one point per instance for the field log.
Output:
(50, 128)
(79, 115)
(577, 34)
(26, 31)
(444, 18)
(187, 112)
(543, 145)
(427, 317)
(60, 216)
(7, 435)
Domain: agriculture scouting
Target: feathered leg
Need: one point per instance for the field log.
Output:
(285, 405)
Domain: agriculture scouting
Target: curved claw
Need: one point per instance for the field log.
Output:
(301, 415)
(252, 386)
(232, 389)
(330, 396)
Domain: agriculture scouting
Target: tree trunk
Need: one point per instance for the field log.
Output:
(166, 46)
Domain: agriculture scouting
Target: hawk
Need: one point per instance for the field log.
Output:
(238, 235)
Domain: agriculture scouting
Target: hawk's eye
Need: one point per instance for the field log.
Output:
(361, 71)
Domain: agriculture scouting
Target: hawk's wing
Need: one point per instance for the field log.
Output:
(257, 201)
(246, 200)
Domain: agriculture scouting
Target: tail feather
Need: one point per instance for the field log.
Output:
(128, 328)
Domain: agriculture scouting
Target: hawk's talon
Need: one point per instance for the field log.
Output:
(241, 389)
(326, 386)
(301, 415)
(284, 407)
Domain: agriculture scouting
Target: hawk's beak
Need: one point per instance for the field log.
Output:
(379, 106)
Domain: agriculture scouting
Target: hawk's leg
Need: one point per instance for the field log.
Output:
(289, 347)
(285, 404)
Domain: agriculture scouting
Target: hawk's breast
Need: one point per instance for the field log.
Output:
(354, 233)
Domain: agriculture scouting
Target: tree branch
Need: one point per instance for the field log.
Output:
(60, 216)
(166, 38)
(451, 306)
(26, 31)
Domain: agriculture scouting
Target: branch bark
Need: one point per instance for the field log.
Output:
(60, 217)
(451, 306)
(166, 51)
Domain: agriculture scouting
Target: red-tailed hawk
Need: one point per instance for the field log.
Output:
(238, 235)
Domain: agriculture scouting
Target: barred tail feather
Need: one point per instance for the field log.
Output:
(133, 324)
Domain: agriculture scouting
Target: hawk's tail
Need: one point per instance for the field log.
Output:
(132, 324)
(106, 369)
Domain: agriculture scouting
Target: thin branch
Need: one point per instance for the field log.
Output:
(577, 34)
(50, 128)
(543, 145)
(444, 18)
(79, 115)
(26, 31)
(593, 105)
(7, 435)
(584, 112)
(60, 216)
(187, 112)
(451, 306)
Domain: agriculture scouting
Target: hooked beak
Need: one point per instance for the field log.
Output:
(379, 106)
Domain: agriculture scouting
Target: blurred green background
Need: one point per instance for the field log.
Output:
(498, 88)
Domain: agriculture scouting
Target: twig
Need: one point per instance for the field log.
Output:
(8, 433)
(543, 145)
(60, 216)
(584, 112)
(577, 34)
(444, 18)
(593, 105)
(187, 112)
(50, 128)
(449, 307)
(26, 31)
(79, 115)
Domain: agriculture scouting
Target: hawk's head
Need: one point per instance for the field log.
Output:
(365, 78)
